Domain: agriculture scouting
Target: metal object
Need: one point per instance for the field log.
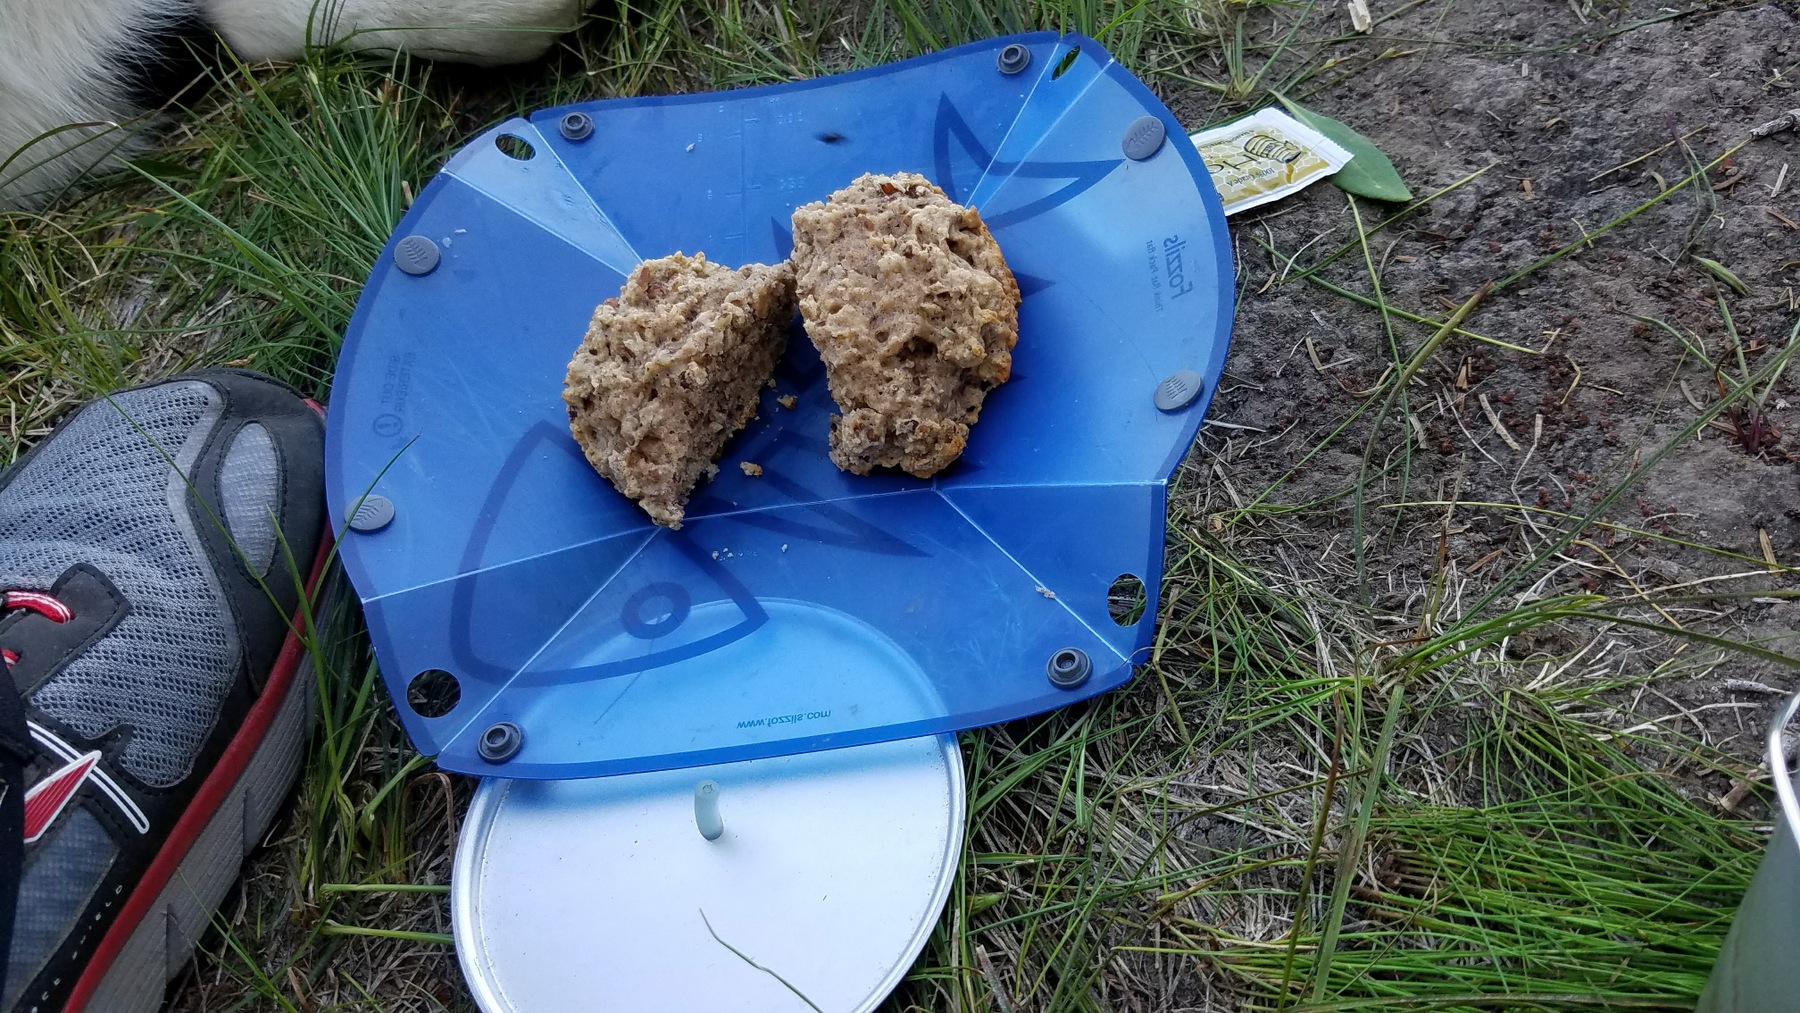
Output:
(417, 255)
(1013, 59)
(900, 607)
(576, 126)
(501, 742)
(597, 894)
(1758, 970)
(1143, 138)
(374, 513)
(1178, 390)
(1069, 667)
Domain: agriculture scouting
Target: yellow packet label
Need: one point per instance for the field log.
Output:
(1266, 156)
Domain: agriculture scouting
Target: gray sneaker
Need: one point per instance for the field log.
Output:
(148, 557)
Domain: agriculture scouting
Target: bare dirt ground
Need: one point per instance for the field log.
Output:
(1574, 116)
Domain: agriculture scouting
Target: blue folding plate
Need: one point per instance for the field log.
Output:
(805, 608)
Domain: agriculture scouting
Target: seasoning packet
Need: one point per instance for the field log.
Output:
(1265, 156)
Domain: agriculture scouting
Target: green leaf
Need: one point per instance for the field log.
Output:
(980, 902)
(1723, 273)
(1369, 173)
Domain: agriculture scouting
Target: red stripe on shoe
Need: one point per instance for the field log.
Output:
(39, 602)
(212, 794)
(47, 798)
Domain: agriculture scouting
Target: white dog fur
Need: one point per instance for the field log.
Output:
(69, 68)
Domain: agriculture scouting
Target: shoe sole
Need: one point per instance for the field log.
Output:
(165, 916)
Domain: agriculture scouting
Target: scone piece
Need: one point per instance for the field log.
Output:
(914, 313)
(671, 368)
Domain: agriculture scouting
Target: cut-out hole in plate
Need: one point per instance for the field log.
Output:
(514, 147)
(1063, 65)
(1125, 599)
(433, 693)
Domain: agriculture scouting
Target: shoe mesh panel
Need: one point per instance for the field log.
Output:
(61, 872)
(102, 493)
(249, 481)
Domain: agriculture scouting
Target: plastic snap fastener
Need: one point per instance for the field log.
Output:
(416, 255)
(1069, 667)
(373, 514)
(1179, 390)
(501, 742)
(576, 126)
(1143, 138)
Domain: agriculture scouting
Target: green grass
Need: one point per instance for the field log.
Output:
(1541, 861)
(1307, 800)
